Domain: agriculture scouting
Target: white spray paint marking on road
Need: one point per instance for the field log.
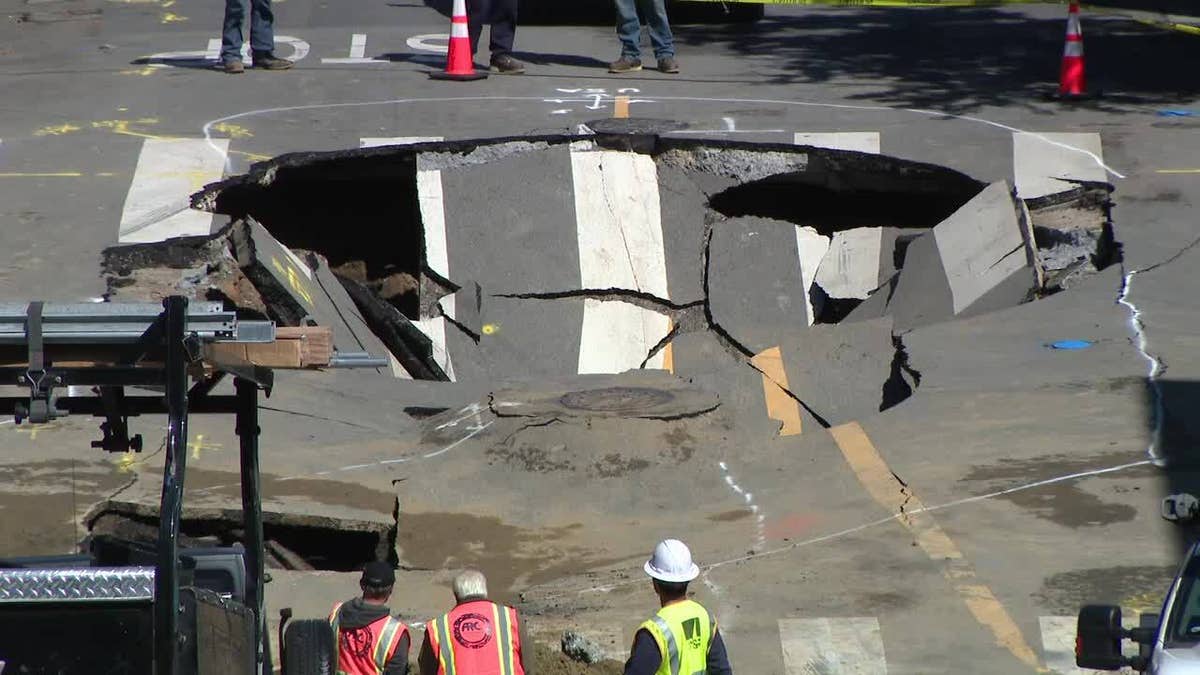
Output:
(437, 43)
(832, 536)
(167, 169)
(841, 646)
(619, 230)
(760, 519)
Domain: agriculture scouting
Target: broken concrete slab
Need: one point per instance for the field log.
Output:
(645, 394)
(843, 372)
(759, 275)
(685, 217)
(1048, 163)
(858, 262)
(982, 258)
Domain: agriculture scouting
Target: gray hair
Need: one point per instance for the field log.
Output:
(470, 585)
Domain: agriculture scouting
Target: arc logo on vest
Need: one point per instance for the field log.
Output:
(473, 631)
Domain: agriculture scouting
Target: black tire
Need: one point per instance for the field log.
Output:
(308, 648)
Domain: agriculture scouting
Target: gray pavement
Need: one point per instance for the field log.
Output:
(798, 533)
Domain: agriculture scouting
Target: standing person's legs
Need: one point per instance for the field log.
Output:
(655, 14)
(478, 13)
(629, 28)
(231, 31)
(504, 27)
(262, 28)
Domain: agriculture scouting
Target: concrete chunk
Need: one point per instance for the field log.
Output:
(982, 258)
(858, 261)
(759, 274)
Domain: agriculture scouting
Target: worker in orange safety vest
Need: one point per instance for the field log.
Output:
(370, 641)
(477, 637)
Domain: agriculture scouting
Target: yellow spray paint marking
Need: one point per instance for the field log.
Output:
(122, 127)
(1143, 603)
(232, 130)
(126, 463)
(171, 17)
(621, 107)
(873, 472)
(144, 71)
(58, 130)
(293, 279)
(490, 328)
(780, 406)
(34, 429)
(197, 445)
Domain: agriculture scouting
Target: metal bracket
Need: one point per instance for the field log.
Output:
(116, 425)
(37, 377)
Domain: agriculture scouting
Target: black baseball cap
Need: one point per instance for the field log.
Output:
(378, 573)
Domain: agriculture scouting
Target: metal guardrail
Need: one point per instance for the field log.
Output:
(115, 323)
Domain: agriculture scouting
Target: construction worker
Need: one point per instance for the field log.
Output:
(370, 641)
(477, 637)
(682, 637)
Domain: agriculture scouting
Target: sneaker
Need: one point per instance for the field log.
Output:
(505, 64)
(271, 62)
(625, 64)
(668, 64)
(233, 66)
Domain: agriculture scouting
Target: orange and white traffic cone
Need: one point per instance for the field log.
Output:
(1071, 81)
(460, 60)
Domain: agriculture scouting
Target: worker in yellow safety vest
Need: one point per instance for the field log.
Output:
(369, 640)
(682, 637)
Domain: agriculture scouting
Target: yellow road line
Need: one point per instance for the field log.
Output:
(895, 496)
(621, 107)
(780, 406)
(57, 174)
(1176, 171)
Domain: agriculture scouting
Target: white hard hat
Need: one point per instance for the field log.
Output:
(672, 562)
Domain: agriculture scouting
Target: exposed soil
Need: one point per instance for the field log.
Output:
(553, 662)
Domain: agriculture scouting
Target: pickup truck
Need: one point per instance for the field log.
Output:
(1169, 642)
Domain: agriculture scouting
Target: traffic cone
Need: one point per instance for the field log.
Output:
(460, 61)
(1071, 79)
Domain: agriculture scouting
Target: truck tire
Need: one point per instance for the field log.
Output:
(308, 648)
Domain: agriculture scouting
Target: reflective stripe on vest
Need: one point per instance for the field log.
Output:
(384, 647)
(682, 639)
(479, 636)
(446, 647)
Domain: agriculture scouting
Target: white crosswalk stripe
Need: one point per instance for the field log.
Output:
(619, 226)
(168, 171)
(433, 215)
(858, 141)
(824, 646)
(1041, 159)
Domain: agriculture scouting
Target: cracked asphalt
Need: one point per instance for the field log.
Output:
(1029, 464)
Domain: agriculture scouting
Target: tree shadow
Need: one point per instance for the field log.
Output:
(959, 60)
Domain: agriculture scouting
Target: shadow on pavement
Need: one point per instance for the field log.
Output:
(1180, 444)
(959, 60)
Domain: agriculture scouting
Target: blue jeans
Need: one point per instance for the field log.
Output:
(262, 30)
(629, 27)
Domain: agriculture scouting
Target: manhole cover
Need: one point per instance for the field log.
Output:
(617, 399)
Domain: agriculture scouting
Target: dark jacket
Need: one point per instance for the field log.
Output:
(357, 613)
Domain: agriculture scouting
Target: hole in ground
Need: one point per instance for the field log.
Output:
(119, 533)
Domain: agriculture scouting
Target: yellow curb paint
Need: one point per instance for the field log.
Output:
(875, 475)
(780, 406)
(621, 107)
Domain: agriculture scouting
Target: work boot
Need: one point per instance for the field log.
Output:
(668, 64)
(271, 62)
(233, 66)
(625, 64)
(505, 64)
